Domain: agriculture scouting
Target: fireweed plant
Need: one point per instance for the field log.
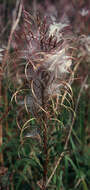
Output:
(42, 70)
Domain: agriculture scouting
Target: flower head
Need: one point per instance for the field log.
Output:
(45, 60)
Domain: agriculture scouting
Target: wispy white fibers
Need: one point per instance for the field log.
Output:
(84, 12)
(59, 62)
(85, 42)
(55, 29)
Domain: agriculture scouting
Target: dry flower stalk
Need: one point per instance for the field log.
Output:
(43, 60)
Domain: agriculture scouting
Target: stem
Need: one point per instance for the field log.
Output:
(44, 143)
(46, 160)
(1, 130)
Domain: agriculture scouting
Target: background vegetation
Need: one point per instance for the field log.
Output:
(22, 155)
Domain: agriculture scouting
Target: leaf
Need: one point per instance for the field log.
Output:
(72, 163)
(84, 185)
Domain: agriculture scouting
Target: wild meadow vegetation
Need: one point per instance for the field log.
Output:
(44, 95)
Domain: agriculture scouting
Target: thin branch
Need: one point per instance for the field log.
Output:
(58, 162)
(15, 23)
(4, 29)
